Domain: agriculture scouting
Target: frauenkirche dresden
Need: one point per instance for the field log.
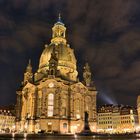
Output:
(54, 99)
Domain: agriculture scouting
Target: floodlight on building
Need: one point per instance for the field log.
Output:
(25, 135)
(13, 135)
(78, 116)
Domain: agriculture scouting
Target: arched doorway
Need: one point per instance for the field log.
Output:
(65, 127)
(49, 126)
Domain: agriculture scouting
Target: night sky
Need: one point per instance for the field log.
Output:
(106, 33)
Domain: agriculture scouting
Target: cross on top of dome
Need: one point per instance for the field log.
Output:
(59, 17)
(59, 21)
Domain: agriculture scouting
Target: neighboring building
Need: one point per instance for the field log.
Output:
(53, 99)
(138, 108)
(129, 119)
(7, 120)
(117, 119)
(104, 118)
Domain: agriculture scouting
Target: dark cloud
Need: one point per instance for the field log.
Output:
(106, 33)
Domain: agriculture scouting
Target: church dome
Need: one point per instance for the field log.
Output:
(66, 58)
(64, 53)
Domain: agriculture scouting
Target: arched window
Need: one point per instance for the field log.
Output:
(52, 72)
(50, 104)
(77, 106)
(64, 105)
(29, 105)
(39, 106)
(65, 125)
(87, 103)
(78, 109)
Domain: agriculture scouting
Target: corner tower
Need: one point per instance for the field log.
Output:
(28, 75)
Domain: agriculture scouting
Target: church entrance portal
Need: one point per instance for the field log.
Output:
(49, 127)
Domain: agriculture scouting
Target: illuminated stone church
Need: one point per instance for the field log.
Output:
(53, 99)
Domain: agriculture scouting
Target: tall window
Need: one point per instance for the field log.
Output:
(39, 106)
(28, 105)
(77, 105)
(87, 103)
(50, 104)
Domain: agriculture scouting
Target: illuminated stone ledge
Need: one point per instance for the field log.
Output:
(71, 136)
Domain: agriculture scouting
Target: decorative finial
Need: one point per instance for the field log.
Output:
(29, 62)
(59, 20)
(59, 17)
(29, 67)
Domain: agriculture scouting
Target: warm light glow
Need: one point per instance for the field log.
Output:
(49, 123)
(138, 128)
(26, 126)
(75, 136)
(25, 135)
(13, 128)
(51, 85)
(73, 129)
(78, 116)
(13, 135)
(78, 124)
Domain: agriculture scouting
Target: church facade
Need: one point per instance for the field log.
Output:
(53, 99)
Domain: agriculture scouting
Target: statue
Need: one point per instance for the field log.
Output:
(53, 63)
(87, 75)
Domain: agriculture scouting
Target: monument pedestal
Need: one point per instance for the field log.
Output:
(86, 130)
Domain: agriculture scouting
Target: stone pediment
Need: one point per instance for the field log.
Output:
(28, 90)
(49, 83)
(79, 87)
(29, 86)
